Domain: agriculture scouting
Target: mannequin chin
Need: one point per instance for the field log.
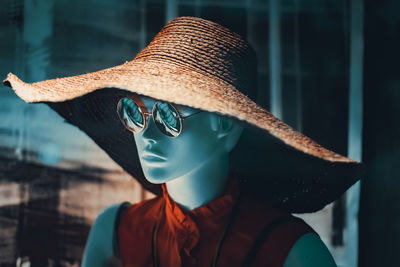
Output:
(195, 164)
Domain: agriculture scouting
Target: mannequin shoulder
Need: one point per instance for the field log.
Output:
(99, 245)
(106, 218)
(309, 250)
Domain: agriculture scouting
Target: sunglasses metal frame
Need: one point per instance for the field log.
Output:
(146, 115)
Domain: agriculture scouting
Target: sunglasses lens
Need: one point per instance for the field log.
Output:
(131, 115)
(167, 119)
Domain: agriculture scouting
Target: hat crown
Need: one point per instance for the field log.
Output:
(205, 47)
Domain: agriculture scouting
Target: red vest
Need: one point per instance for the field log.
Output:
(158, 229)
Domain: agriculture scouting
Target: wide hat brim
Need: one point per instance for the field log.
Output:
(277, 163)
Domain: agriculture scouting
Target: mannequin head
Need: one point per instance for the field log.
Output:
(205, 137)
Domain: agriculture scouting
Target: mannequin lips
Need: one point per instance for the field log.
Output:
(152, 157)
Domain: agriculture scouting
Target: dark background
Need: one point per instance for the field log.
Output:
(54, 180)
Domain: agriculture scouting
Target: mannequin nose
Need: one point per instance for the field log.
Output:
(151, 134)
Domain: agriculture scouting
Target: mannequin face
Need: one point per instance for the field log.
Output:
(164, 158)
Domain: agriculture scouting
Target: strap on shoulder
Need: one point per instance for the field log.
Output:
(263, 235)
(118, 217)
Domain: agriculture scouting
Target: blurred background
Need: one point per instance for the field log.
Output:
(327, 68)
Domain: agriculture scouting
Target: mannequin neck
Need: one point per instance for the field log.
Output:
(201, 185)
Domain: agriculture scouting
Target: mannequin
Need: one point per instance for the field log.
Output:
(202, 64)
(194, 166)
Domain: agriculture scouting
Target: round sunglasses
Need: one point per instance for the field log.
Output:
(134, 116)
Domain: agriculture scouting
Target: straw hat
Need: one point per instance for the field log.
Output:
(201, 64)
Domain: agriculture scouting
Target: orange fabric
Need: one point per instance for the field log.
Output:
(191, 238)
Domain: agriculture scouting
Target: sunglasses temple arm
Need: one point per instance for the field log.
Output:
(188, 116)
